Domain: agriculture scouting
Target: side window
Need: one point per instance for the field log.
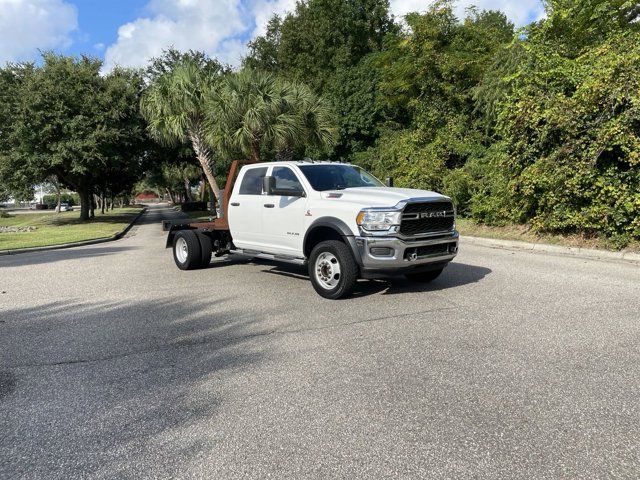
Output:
(286, 179)
(252, 181)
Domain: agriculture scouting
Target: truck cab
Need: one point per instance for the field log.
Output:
(340, 221)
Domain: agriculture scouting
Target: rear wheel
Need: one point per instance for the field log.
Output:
(205, 249)
(332, 269)
(424, 277)
(186, 250)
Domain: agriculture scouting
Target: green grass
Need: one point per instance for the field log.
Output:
(522, 233)
(65, 227)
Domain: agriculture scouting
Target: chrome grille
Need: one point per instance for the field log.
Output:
(427, 217)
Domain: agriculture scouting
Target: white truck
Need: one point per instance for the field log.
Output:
(336, 218)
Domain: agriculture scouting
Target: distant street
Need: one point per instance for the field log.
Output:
(115, 364)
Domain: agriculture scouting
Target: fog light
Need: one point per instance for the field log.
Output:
(381, 251)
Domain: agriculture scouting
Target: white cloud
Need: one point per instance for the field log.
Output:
(519, 12)
(264, 10)
(213, 26)
(27, 26)
(221, 28)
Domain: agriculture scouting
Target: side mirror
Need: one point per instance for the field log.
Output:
(268, 185)
(389, 182)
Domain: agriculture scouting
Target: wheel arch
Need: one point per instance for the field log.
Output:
(329, 228)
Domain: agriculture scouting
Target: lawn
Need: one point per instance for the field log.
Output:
(522, 233)
(57, 228)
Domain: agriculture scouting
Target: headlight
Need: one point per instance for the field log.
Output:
(377, 220)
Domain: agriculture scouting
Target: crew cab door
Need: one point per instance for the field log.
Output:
(283, 215)
(245, 209)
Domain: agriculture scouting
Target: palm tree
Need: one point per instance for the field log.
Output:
(315, 119)
(174, 107)
(252, 111)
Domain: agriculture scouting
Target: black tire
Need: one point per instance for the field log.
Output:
(187, 240)
(346, 266)
(424, 277)
(205, 249)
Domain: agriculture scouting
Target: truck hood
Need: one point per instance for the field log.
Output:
(380, 196)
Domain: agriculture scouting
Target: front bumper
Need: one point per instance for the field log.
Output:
(394, 255)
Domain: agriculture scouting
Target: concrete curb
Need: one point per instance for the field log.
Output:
(95, 241)
(553, 249)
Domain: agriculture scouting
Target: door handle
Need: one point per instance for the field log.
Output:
(269, 205)
(235, 204)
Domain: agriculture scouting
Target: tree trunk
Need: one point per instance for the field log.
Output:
(92, 199)
(84, 204)
(187, 189)
(202, 193)
(102, 202)
(285, 154)
(171, 199)
(255, 152)
(203, 153)
(57, 197)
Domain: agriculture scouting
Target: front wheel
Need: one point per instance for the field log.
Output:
(332, 269)
(424, 277)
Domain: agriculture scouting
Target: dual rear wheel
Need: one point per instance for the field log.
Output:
(191, 249)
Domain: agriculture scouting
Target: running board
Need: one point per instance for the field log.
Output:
(269, 256)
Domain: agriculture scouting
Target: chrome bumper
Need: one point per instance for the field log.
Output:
(406, 254)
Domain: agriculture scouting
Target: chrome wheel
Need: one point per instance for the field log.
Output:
(327, 270)
(182, 251)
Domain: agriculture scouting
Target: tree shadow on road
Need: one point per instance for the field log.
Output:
(118, 389)
(49, 256)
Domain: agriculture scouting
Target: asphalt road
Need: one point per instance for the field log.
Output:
(115, 364)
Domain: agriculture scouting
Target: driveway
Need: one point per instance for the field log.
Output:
(115, 364)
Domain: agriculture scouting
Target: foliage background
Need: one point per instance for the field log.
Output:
(538, 126)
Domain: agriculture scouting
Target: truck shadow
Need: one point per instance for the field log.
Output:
(455, 275)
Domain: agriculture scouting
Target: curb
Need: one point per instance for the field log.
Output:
(552, 249)
(117, 236)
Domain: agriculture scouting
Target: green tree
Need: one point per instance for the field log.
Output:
(174, 107)
(253, 112)
(69, 121)
(569, 124)
(321, 43)
(429, 126)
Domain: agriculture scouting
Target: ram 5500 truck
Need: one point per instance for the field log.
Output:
(336, 218)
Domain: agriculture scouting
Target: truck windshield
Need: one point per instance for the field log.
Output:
(338, 177)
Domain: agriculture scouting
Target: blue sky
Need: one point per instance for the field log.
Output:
(129, 32)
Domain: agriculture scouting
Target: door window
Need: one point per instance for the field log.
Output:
(286, 179)
(252, 181)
